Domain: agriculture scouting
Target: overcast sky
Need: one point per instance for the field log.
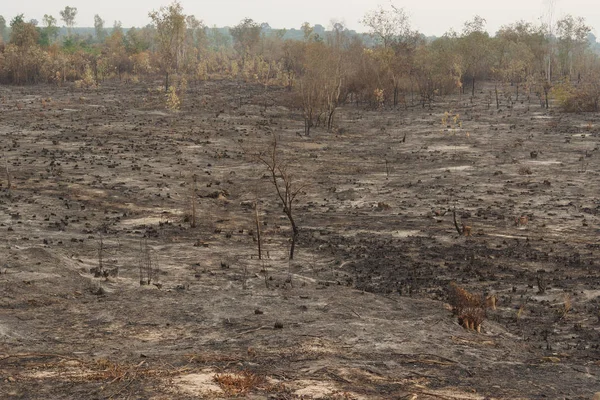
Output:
(430, 17)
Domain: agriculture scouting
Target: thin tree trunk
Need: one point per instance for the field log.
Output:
(193, 222)
(497, 100)
(330, 120)
(294, 237)
(257, 229)
(8, 181)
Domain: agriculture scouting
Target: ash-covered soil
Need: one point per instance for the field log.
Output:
(105, 178)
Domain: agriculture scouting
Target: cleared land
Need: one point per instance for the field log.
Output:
(360, 312)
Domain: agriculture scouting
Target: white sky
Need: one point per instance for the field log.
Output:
(432, 17)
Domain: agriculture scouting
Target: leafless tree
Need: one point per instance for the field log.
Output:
(286, 186)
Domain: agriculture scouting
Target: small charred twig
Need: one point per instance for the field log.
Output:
(458, 229)
(255, 329)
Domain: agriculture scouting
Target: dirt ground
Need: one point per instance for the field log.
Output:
(105, 176)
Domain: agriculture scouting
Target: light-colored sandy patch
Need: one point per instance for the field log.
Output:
(405, 233)
(311, 146)
(143, 221)
(154, 336)
(33, 276)
(314, 389)
(507, 236)
(8, 333)
(445, 147)
(199, 384)
(457, 168)
(396, 234)
(451, 394)
(545, 162)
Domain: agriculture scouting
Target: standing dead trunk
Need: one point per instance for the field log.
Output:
(257, 229)
(8, 181)
(330, 120)
(497, 99)
(294, 236)
(167, 82)
(193, 199)
(307, 125)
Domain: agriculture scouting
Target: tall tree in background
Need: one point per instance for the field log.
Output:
(49, 32)
(246, 37)
(2, 29)
(572, 36)
(170, 34)
(476, 50)
(68, 16)
(99, 28)
(386, 26)
(196, 41)
(397, 42)
(549, 29)
(23, 34)
(21, 55)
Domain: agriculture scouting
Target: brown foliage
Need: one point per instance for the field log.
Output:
(470, 308)
(239, 384)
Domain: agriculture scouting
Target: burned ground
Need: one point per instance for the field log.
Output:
(359, 313)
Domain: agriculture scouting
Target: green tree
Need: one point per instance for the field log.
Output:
(116, 53)
(308, 31)
(3, 35)
(23, 34)
(476, 50)
(136, 41)
(68, 16)
(49, 32)
(246, 37)
(22, 57)
(99, 29)
(170, 34)
(196, 41)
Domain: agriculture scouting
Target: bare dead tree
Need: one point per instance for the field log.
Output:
(257, 220)
(193, 200)
(148, 267)
(103, 269)
(8, 181)
(286, 187)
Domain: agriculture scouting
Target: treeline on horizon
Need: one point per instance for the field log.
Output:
(391, 65)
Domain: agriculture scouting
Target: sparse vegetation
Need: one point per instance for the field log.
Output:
(287, 186)
(120, 153)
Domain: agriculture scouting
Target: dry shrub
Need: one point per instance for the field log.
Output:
(584, 97)
(106, 370)
(525, 170)
(468, 307)
(239, 384)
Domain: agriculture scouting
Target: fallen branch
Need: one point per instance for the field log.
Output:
(29, 355)
(254, 330)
